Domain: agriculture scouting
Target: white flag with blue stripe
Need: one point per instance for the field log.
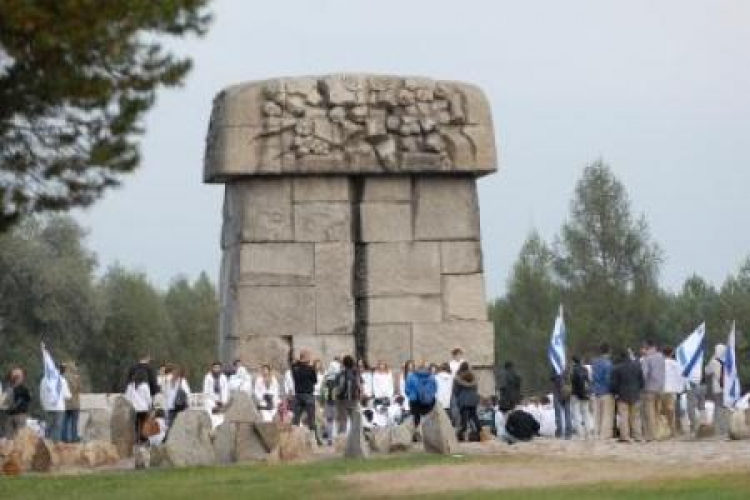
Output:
(689, 355)
(731, 377)
(556, 351)
(52, 380)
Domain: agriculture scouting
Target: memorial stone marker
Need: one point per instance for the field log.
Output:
(351, 218)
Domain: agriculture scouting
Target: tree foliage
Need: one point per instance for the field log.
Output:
(49, 292)
(76, 78)
(604, 269)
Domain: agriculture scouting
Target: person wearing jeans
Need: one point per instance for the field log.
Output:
(561, 401)
(305, 379)
(466, 395)
(604, 401)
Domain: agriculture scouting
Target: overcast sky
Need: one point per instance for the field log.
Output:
(659, 89)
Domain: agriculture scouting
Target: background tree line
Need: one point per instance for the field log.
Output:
(49, 291)
(603, 266)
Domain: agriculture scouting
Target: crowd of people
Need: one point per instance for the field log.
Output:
(628, 397)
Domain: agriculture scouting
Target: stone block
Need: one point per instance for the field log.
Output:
(384, 222)
(463, 297)
(400, 269)
(274, 311)
(276, 264)
(325, 347)
(257, 351)
(461, 257)
(403, 309)
(446, 208)
(434, 342)
(313, 188)
(391, 188)
(334, 289)
(389, 343)
(320, 222)
(258, 211)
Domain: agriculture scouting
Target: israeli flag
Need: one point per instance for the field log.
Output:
(556, 351)
(731, 378)
(690, 354)
(52, 379)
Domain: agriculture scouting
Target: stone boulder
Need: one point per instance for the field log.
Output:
(241, 408)
(294, 443)
(189, 441)
(401, 437)
(356, 444)
(268, 432)
(24, 445)
(44, 458)
(705, 431)
(97, 425)
(380, 439)
(738, 425)
(90, 455)
(248, 444)
(122, 426)
(438, 435)
(12, 464)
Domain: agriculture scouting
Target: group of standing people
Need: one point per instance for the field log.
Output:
(636, 397)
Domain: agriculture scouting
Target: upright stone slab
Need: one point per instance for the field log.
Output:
(351, 218)
(122, 426)
(189, 441)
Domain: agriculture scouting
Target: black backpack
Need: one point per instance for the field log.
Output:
(347, 386)
(180, 399)
(580, 382)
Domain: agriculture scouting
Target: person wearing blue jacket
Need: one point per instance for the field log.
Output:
(604, 400)
(421, 389)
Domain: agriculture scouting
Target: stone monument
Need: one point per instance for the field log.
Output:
(351, 219)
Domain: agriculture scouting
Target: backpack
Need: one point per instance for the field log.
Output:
(426, 389)
(347, 387)
(580, 382)
(180, 399)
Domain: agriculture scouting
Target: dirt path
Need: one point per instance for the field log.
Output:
(549, 463)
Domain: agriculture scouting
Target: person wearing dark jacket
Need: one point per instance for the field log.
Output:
(144, 366)
(18, 404)
(466, 394)
(508, 387)
(627, 383)
(520, 426)
(305, 378)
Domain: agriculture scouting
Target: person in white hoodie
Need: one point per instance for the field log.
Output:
(674, 385)
(382, 385)
(177, 394)
(215, 389)
(444, 380)
(241, 380)
(53, 393)
(138, 393)
(714, 373)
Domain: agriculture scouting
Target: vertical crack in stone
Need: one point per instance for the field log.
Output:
(359, 270)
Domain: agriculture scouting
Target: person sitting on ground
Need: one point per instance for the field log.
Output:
(520, 426)
(161, 421)
(465, 392)
(396, 412)
(421, 389)
(486, 413)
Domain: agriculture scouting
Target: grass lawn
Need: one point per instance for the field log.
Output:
(322, 479)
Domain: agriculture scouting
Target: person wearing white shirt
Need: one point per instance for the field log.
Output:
(674, 385)
(53, 394)
(366, 376)
(444, 380)
(382, 385)
(267, 393)
(138, 393)
(318, 367)
(241, 380)
(174, 404)
(409, 367)
(458, 358)
(216, 389)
